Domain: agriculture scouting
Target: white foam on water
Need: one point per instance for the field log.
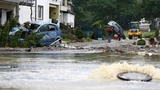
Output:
(111, 71)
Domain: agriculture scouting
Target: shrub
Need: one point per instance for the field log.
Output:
(65, 37)
(141, 42)
(31, 40)
(79, 34)
(13, 21)
(13, 42)
(4, 32)
(4, 35)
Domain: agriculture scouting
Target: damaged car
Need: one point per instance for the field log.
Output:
(52, 32)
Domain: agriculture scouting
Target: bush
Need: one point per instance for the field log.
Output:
(141, 42)
(65, 37)
(13, 21)
(79, 34)
(13, 42)
(4, 32)
(31, 40)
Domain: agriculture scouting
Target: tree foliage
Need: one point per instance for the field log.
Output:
(121, 11)
(151, 8)
(83, 15)
(98, 24)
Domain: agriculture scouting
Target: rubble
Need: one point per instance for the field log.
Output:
(123, 46)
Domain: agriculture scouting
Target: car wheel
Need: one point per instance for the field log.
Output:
(124, 37)
(57, 44)
(130, 37)
(139, 36)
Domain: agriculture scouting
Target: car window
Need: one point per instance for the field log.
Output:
(52, 27)
(44, 28)
(33, 27)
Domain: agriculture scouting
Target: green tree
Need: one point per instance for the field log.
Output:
(151, 8)
(83, 15)
(122, 11)
(102, 9)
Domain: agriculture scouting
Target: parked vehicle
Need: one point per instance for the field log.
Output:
(134, 30)
(117, 29)
(51, 32)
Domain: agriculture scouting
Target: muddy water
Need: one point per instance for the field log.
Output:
(68, 71)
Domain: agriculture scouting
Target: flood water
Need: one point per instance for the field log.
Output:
(75, 71)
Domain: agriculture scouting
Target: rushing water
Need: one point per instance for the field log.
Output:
(69, 71)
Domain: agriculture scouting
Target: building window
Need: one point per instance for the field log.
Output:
(40, 12)
(63, 3)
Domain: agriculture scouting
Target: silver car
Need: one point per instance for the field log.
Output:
(117, 28)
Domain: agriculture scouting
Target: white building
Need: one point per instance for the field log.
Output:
(157, 22)
(67, 16)
(7, 7)
(47, 10)
(39, 10)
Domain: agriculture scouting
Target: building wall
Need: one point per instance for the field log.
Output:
(69, 19)
(55, 10)
(5, 7)
(45, 4)
(4, 17)
(25, 12)
(49, 7)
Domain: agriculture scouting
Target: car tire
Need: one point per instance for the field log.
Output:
(57, 44)
(130, 37)
(139, 36)
(123, 37)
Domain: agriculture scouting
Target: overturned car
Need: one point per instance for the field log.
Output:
(117, 29)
